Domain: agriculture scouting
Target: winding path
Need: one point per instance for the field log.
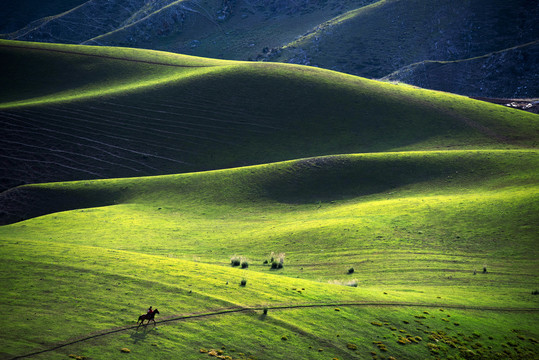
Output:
(239, 309)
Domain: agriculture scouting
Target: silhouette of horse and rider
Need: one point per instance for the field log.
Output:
(150, 316)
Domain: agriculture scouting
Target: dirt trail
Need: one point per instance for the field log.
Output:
(232, 310)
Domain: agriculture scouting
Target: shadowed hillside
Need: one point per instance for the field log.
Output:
(17, 14)
(509, 72)
(305, 181)
(380, 39)
(133, 113)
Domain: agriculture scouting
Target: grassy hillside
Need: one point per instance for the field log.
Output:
(126, 112)
(414, 226)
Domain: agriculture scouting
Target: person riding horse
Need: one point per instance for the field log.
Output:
(150, 316)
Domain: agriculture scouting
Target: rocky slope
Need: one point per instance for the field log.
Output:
(512, 73)
(391, 35)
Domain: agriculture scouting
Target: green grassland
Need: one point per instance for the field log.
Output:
(417, 191)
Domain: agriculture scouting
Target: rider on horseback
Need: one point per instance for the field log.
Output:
(149, 316)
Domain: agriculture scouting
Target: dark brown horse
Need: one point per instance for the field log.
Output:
(149, 317)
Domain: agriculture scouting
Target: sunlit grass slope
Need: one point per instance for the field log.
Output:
(78, 112)
(413, 225)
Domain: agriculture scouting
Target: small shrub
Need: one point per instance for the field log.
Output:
(351, 270)
(284, 338)
(243, 282)
(203, 351)
(245, 264)
(535, 292)
(265, 311)
(125, 350)
(277, 260)
(351, 346)
(376, 323)
(235, 260)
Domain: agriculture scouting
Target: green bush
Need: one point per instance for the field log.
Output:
(235, 260)
(277, 260)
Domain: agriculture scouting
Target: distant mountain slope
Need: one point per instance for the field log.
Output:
(513, 73)
(380, 39)
(214, 28)
(14, 15)
(368, 38)
(74, 112)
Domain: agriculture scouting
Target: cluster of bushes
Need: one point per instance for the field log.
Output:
(276, 261)
(239, 261)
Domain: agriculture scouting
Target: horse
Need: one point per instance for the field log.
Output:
(149, 317)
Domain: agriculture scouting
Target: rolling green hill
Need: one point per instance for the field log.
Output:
(117, 112)
(373, 220)
(417, 228)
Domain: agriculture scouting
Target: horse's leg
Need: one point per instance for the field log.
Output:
(141, 322)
